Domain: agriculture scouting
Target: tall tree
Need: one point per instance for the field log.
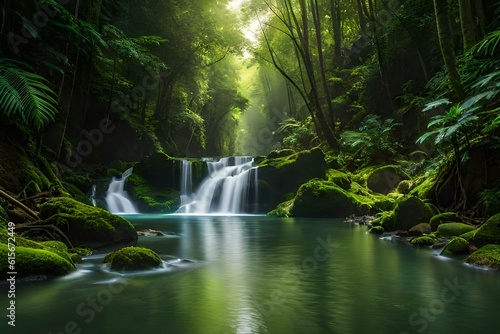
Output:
(467, 24)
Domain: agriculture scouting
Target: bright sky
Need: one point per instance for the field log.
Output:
(250, 30)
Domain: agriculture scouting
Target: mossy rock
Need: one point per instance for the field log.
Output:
(420, 229)
(76, 193)
(404, 187)
(377, 230)
(385, 179)
(488, 255)
(35, 262)
(456, 246)
(386, 220)
(453, 229)
(444, 217)
(488, 233)
(409, 212)
(280, 153)
(152, 198)
(87, 225)
(57, 247)
(282, 210)
(133, 259)
(339, 178)
(3, 215)
(425, 240)
(319, 198)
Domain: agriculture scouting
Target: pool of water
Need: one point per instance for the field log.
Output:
(254, 274)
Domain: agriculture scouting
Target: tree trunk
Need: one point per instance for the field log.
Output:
(446, 42)
(337, 38)
(467, 24)
(361, 16)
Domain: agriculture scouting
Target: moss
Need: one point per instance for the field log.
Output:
(411, 211)
(280, 153)
(425, 186)
(133, 258)
(453, 229)
(20, 241)
(488, 233)
(339, 178)
(404, 187)
(385, 179)
(436, 220)
(3, 215)
(488, 255)
(377, 230)
(425, 240)
(386, 220)
(456, 246)
(76, 193)
(35, 262)
(282, 210)
(87, 225)
(158, 200)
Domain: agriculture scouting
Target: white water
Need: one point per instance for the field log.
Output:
(186, 182)
(117, 199)
(225, 190)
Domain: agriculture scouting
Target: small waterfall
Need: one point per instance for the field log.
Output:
(117, 199)
(226, 189)
(93, 198)
(186, 182)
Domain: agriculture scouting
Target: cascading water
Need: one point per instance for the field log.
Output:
(186, 182)
(117, 199)
(93, 198)
(227, 189)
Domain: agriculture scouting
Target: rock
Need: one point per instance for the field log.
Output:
(409, 212)
(453, 229)
(133, 259)
(443, 217)
(420, 229)
(488, 233)
(425, 240)
(339, 178)
(280, 153)
(439, 244)
(386, 220)
(150, 233)
(377, 230)
(35, 262)
(488, 256)
(87, 225)
(456, 246)
(385, 179)
(402, 233)
(318, 198)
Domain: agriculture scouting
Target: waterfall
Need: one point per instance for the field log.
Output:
(227, 189)
(186, 182)
(93, 198)
(117, 199)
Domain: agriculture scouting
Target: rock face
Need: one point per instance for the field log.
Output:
(488, 233)
(385, 179)
(87, 225)
(281, 174)
(488, 255)
(411, 211)
(318, 198)
(133, 259)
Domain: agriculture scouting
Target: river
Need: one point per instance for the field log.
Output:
(254, 274)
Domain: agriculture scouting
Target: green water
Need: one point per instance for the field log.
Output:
(263, 275)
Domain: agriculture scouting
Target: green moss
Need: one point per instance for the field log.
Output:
(76, 193)
(404, 187)
(425, 186)
(453, 229)
(386, 220)
(159, 200)
(20, 241)
(35, 262)
(411, 211)
(488, 256)
(425, 240)
(436, 220)
(133, 258)
(456, 246)
(87, 225)
(282, 210)
(377, 230)
(339, 178)
(3, 215)
(385, 179)
(488, 233)
(280, 153)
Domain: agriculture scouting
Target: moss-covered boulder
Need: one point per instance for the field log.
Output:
(385, 219)
(488, 256)
(411, 211)
(456, 246)
(282, 175)
(453, 229)
(76, 193)
(425, 240)
(377, 230)
(319, 198)
(282, 210)
(444, 217)
(133, 259)
(339, 178)
(420, 229)
(488, 233)
(87, 225)
(385, 179)
(280, 153)
(35, 262)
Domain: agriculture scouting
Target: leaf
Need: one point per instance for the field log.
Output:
(436, 104)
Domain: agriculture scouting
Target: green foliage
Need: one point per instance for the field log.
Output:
(297, 135)
(25, 96)
(373, 142)
(490, 201)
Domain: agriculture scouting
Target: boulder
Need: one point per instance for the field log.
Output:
(411, 211)
(87, 225)
(444, 217)
(385, 179)
(488, 256)
(488, 233)
(453, 229)
(425, 240)
(456, 246)
(420, 229)
(133, 259)
(377, 230)
(319, 198)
